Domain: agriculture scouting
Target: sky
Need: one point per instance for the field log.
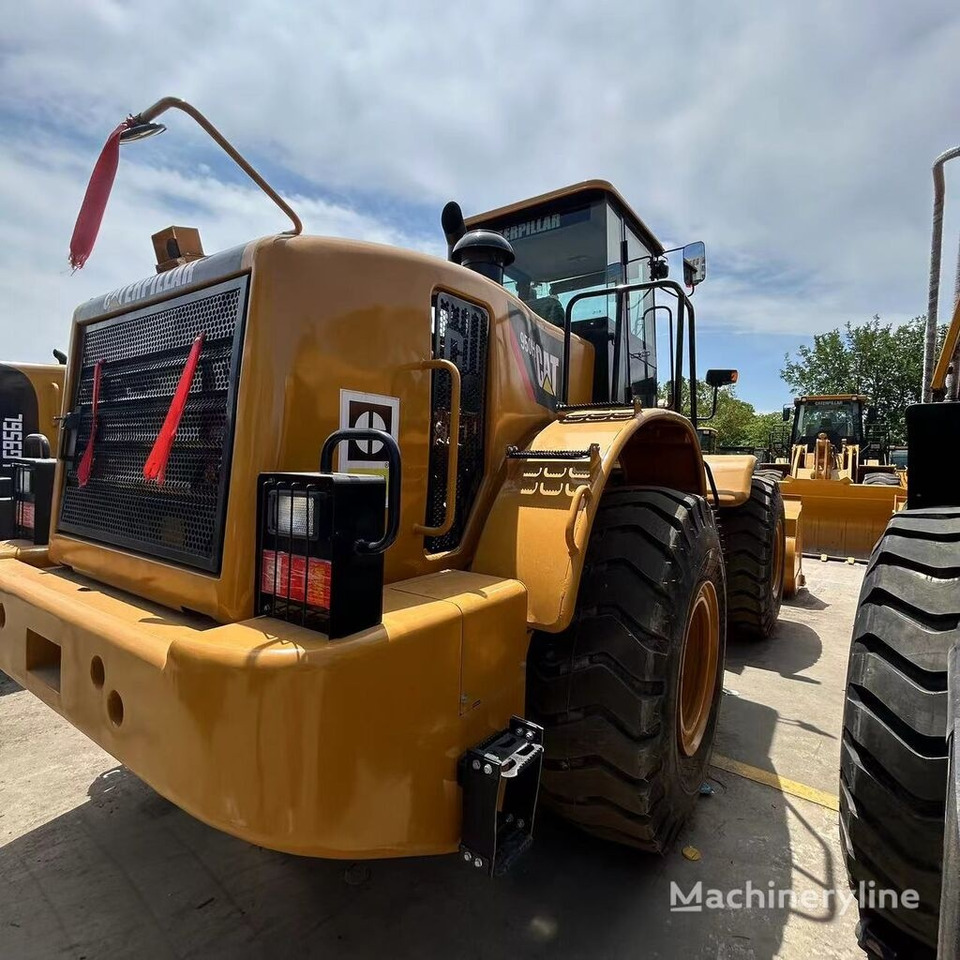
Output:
(795, 139)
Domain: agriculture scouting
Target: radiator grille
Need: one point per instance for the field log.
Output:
(461, 330)
(143, 355)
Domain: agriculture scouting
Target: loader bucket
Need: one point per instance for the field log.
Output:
(843, 520)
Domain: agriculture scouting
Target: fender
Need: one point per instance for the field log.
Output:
(540, 522)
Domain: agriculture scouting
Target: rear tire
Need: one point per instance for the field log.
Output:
(608, 689)
(893, 773)
(754, 552)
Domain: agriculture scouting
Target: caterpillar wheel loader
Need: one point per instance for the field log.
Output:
(512, 587)
(899, 816)
(841, 476)
(30, 401)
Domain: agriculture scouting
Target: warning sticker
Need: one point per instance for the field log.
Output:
(367, 411)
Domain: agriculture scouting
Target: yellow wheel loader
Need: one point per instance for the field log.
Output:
(30, 400)
(847, 488)
(511, 586)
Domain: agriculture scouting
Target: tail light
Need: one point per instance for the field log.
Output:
(26, 494)
(32, 494)
(321, 540)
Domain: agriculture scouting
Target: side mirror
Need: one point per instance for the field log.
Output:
(787, 413)
(694, 263)
(722, 378)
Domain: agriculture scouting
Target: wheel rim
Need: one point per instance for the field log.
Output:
(778, 553)
(698, 669)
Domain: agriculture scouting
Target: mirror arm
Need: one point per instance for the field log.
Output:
(713, 408)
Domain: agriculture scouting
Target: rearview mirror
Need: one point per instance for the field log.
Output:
(721, 378)
(787, 413)
(694, 263)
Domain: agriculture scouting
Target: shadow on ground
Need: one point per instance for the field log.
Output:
(8, 685)
(791, 649)
(127, 873)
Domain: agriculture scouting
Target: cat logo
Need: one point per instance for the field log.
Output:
(538, 355)
(547, 364)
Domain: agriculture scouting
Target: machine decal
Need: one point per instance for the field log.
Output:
(215, 267)
(538, 355)
(530, 228)
(19, 416)
(367, 411)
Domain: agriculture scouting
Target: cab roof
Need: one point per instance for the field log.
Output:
(588, 190)
(835, 397)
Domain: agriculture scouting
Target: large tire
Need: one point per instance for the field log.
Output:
(893, 771)
(754, 552)
(608, 689)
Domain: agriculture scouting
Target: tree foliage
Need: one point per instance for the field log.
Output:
(879, 360)
(736, 422)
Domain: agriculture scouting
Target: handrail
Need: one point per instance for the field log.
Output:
(683, 304)
(392, 451)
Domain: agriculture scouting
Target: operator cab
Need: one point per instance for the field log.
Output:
(582, 238)
(839, 417)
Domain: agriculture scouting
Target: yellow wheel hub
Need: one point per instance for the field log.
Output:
(698, 668)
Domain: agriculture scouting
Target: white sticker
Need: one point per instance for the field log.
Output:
(367, 411)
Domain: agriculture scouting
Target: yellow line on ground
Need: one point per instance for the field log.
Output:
(768, 779)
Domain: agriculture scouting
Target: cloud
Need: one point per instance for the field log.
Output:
(40, 191)
(795, 139)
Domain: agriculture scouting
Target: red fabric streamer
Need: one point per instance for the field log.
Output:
(156, 466)
(86, 463)
(95, 199)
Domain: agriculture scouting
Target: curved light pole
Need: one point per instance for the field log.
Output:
(933, 299)
(141, 126)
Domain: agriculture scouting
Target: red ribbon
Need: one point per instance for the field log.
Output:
(156, 466)
(95, 199)
(86, 463)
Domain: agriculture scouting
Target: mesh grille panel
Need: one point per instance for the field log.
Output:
(143, 355)
(461, 331)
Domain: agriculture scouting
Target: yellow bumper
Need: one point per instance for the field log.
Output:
(26, 551)
(273, 733)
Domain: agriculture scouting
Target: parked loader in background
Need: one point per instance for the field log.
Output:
(547, 587)
(848, 489)
(899, 819)
(30, 399)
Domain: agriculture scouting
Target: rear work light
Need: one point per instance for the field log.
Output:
(33, 496)
(26, 496)
(320, 543)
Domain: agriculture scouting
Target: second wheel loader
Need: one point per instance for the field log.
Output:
(840, 475)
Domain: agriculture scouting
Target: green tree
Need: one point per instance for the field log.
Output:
(734, 419)
(762, 428)
(879, 360)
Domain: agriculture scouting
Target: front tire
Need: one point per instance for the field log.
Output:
(894, 758)
(628, 694)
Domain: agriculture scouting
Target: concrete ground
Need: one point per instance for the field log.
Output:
(94, 864)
